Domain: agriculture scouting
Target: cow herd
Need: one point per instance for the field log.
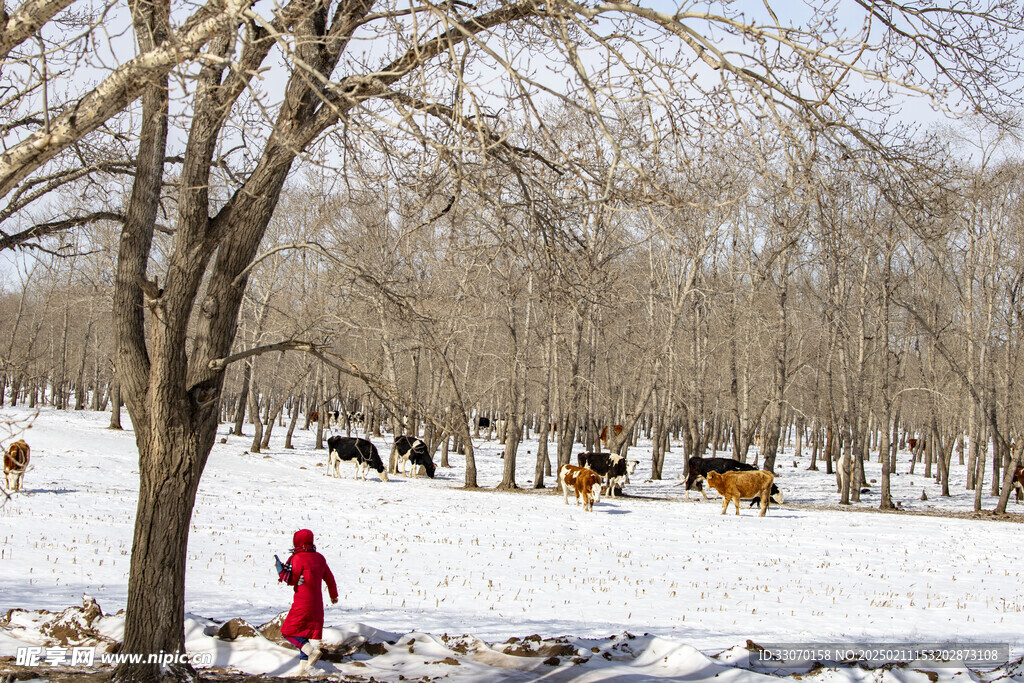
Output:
(410, 450)
(595, 474)
(604, 473)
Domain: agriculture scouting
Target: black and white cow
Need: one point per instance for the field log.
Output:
(350, 448)
(613, 467)
(700, 467)
(413, 450)
(333, 418)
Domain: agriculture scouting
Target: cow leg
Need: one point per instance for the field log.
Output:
(725, 504)
(736, 502)
(565, 492)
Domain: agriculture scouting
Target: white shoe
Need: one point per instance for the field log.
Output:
(314, 653)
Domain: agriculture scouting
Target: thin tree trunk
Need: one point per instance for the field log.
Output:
(254, 415)
(291, 423)
(243, 400)
(115, 403)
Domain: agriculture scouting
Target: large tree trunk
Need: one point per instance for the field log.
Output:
(171, 462)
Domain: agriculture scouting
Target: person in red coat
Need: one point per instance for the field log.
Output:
(305, 569)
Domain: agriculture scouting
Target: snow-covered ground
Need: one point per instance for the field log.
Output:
(418, 558)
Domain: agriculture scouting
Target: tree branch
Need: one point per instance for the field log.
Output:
(290, 345)
(44, 229)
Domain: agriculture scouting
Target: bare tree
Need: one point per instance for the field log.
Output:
(417, 100)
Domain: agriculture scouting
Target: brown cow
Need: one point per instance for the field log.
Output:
(584, 481)
(617, 429)
(1018, 482)
(736, 485)
(15, 463)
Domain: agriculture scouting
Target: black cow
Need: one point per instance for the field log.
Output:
(413, 450)
(350, 448)
(699, 468)
(612, 466)
(483, 422)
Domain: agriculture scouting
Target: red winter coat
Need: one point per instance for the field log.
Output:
(306, 617)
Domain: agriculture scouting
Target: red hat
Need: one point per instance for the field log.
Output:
(303, 540)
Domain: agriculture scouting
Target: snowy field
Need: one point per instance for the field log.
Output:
(419, 559)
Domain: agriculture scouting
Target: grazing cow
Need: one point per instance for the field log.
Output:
(15, 464)
(411, 449)
(1018, 483)
(700, 467)
(584, 481)
(351, 448)
(612, 466)
(616, 429)
(735, 485)
(355, 418)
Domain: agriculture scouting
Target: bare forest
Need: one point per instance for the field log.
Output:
(710, 223)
